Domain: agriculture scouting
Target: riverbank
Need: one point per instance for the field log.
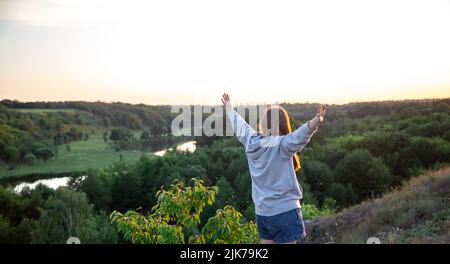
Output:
(100, 162)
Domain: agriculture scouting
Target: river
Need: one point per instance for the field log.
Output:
(186, 146)
(55, 183)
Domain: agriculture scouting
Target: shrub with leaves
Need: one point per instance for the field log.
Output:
(227, 227)
(310, 211)
(179, 209)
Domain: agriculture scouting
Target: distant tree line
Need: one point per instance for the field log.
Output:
(111, 114)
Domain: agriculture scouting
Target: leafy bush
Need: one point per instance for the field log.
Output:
(29, 159)
(177, 210)
(310, 211)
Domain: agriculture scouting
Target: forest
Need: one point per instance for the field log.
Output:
(361, 151)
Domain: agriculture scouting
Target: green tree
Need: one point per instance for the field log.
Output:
(319, 177)
(22, 233)
(44, 153)
(145, 135)
(68, 214)
(17, 215)
(5, 230)
(427, 151)
(97, 186)
(226, 195)
(120, 134)
(367, 175)
(126, 186)
(12, 155)
(343, 195)
(243, 188)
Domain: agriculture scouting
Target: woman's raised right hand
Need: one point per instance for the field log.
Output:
(321, 112)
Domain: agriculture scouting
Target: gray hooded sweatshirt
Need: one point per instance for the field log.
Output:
(275, 188)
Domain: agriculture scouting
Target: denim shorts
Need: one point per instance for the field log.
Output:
(282, 228)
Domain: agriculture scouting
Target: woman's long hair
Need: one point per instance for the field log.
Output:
(284, 127)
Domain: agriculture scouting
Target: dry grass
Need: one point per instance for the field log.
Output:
(419, 212)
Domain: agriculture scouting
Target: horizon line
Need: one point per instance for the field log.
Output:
(236, 104)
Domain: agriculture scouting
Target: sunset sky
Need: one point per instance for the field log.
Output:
(190, 51)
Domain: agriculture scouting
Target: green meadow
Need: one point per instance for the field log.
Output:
(94, 153)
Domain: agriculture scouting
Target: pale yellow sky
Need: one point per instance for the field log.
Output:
(171, 52)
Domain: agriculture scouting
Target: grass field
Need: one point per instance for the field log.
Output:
(94, 153)
(91, 154)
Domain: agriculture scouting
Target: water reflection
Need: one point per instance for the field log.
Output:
(189, 146)
(55, 183)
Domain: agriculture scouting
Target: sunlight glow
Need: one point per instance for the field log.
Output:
(161, 52)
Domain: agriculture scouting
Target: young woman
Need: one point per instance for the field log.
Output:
(272, 160)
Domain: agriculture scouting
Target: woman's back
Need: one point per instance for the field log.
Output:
(272, 161)
(275, 188)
